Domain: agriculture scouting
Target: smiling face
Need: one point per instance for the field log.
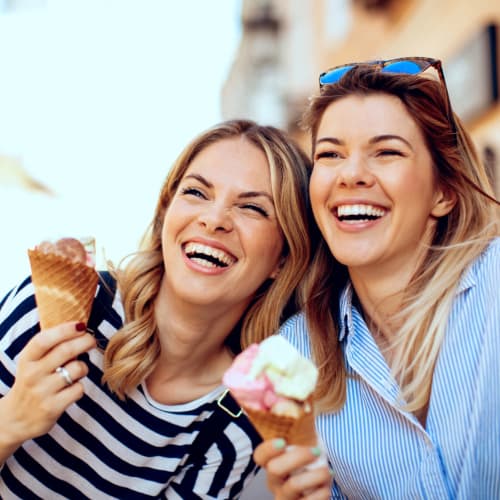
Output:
(220, 237)
(373, 191)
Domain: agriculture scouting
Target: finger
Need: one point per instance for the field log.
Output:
(267, 450)
(308, 482)
(68, 350)
(294, 459)
(70, 373)
(319, 494)
(66, 397)
(46, 340)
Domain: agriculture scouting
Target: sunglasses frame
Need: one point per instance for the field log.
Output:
(381, 64)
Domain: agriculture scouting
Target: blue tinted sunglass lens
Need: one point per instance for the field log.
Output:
(334, 75)
(407, 67)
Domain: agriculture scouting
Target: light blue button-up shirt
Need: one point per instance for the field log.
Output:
(378, 450)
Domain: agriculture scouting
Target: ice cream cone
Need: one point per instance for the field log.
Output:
(64, 289)
(299, 431)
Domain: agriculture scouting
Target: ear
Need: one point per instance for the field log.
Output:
(444, 201)
(276, 271)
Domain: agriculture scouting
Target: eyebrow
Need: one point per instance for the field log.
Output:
(332, 140)
(373, 140)
(245, 194)
(385, 137)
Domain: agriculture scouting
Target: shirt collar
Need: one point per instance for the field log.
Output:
(467, 281)
(345, 311)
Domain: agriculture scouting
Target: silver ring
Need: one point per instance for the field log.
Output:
(65, 375)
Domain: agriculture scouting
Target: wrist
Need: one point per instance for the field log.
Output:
(11, 435)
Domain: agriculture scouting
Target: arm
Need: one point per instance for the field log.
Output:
(291, 473)
(39, 395)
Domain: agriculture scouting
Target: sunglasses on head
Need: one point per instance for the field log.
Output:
(402, 65)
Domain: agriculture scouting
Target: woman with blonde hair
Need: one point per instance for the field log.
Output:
(146, 415)
(402, 303)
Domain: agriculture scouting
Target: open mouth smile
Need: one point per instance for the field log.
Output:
(353, 214)
(208, 256)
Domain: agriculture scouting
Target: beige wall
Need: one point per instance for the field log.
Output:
(434, 28)
(317, 34)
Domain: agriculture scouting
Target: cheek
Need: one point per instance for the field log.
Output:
(170, 226)
(270, 245)
(320, 187)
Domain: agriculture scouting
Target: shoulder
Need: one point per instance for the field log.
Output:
(18, 317)
(484, 273)
(107, 314)
(489, 258)
(295, 330)
(476, 308)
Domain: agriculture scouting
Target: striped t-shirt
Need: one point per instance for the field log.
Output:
(102, 447)
(378, 450)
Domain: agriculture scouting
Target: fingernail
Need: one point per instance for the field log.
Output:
(331, 472)
(279, 443)
(316, 451)
(80, 327)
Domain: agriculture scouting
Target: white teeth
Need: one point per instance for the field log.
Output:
(359, 209)
(203, 262)
(216, 253)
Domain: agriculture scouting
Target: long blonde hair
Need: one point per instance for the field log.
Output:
(460, 237)
(133, 351)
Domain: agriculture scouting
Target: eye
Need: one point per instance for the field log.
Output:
(327, 154)
(191, 191)
(389, 152)
(255, 208)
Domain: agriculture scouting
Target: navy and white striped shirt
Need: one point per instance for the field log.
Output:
(102, 447)
(376, 449)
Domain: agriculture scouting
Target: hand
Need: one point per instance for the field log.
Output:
(288, 476)
(40, 394)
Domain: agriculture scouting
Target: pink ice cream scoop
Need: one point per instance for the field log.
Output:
(265, 376)
(256, 393)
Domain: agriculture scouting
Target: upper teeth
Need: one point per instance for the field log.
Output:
(218, 254)
(360, 210)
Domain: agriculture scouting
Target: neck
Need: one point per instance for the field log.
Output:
(192, 338)
(380, 290)
(380, 299)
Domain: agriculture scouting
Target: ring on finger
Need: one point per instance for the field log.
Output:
(65, 375)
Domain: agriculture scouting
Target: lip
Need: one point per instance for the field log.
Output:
(212, 244)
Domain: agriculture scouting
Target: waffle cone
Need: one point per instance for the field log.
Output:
(64, 290)
(299, 431)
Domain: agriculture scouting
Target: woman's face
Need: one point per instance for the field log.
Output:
(221, 239)
(373, 192)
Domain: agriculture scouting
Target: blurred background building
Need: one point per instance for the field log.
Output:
(286, 44)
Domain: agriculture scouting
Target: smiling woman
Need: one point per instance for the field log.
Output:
(402, 309)
(217, 269)
(239, 212)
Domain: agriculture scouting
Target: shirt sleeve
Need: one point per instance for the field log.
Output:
(18, 324)
(487, 448)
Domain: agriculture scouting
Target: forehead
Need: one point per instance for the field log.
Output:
(235, 161)
(372, 114)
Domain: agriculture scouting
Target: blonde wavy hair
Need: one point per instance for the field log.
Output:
(133, 351)
(460, 237)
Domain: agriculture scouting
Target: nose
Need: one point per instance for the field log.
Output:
(216, 218)
(355, 172)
